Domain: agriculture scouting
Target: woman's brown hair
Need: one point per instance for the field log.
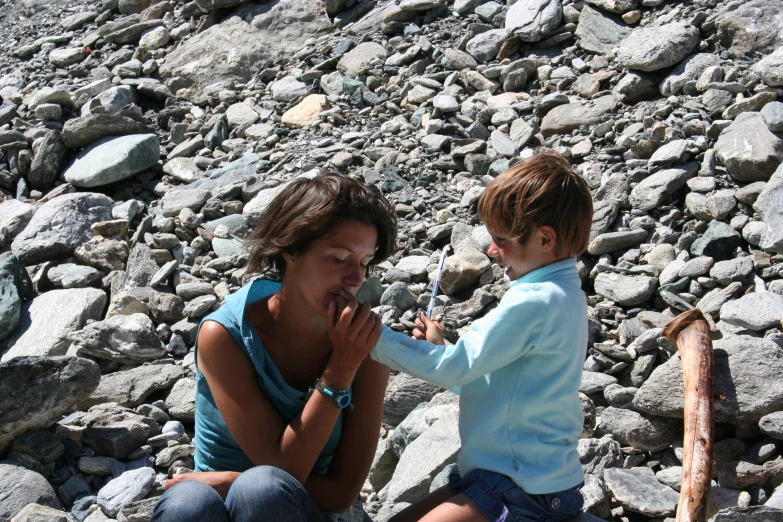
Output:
(308, 209)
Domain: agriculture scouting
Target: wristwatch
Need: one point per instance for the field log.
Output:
(341, 398)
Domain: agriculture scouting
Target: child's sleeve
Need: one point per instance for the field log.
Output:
(492, 342)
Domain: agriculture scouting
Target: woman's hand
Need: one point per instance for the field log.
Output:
(353, 331)
(428, 329)
(220, 481)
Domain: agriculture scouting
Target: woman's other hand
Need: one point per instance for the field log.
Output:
(353, 331)
(428, 329)
(220, 481)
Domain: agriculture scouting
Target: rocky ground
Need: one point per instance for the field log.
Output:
(141, 140)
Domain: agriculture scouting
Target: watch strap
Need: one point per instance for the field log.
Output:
(341, 398)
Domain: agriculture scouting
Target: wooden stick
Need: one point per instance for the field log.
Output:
(691, 333)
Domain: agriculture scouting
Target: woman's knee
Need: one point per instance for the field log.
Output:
(190, 500)
(267, 482)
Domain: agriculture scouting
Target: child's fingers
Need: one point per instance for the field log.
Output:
(418, 335)
(427, 322)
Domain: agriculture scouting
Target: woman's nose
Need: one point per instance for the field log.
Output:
(354, 275)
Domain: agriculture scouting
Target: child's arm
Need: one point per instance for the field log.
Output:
(492, 342)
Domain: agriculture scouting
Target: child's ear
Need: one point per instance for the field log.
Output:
(548, 237)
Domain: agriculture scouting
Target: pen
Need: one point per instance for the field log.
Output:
(435, 285)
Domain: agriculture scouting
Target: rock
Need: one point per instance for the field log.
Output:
(532, 21)
(615, 6)
(173, 202)
(306, 112)
(39, 513)
(48, 318)
(359, 59)
(565, 118)
(129, 487)
(114, 431)
(748, 149)
(403, 394)
(595, 382)
(20, 486)
(719, 242)
(81, 132)
(768, 205)
(772, 113)
(184, 170)
(634, 87)
(613, 241)
(155, 38)
(66, 56)
(633, 429)
(70, 275)
(181, 402)
(36, 391)
(104, 254)
(772, 425)
(10, 300)
(131, 387)
(253, 38)
(124, 338)
(112, 100)
(462, 271)
(626, 290)
(409, 429)
(654, 48)
(741, 363)
(112, 159)
(753, 26)
(76, 20)
(49, 95)
(49, 160)
(596, 455)
(14, 216)
(424, 458)
(399, 296)
(600, 32)
(485, 46)
(641, 493)
(738, 269)
(754, 311)
(656, 188)
(288, 89)
(770, 68)
(59, 226)
(459, 60)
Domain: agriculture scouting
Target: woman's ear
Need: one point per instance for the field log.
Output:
(548, 237)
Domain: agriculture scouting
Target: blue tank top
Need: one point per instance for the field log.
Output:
(216, 449)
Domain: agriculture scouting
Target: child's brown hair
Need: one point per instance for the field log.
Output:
(540, 191)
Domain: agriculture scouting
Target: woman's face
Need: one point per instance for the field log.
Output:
(335, 262)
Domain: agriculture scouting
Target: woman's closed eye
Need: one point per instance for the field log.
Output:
(341, 261)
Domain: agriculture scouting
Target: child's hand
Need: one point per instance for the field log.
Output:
(428, 329)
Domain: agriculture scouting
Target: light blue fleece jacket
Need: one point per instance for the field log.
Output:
(518, 369)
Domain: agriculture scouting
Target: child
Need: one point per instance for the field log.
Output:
(519, 367)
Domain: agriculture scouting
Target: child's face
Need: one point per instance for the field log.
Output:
(518, 259)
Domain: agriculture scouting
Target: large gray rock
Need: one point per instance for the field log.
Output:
(10, 302)
(403, 394)
(748, 149)
(20, 486)
(689, 69)
(424, 458)
(753, 26)
(596, 454)
(49, 318)
(59, 226)
(253, 38)
(124, 338)
(641, 493)
(656, 188)
(39, 513)
(181, 401)
(565, 118)
(359, 59)
(633, 429)
(129, 487)
(741, 363)
(749, 514)
(36, 391)
(754, 311)
(80, 132)
(49, 160)
(14, 217)
(600, 32)
(131, 387)
(114, 431)
(485, 46)
(531, 21)
(654, 48)
(626, 290)
(769, 205)
(112, 99)
(770, 68)
(615, 6)
(113, 159)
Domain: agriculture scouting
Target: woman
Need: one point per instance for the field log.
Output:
(288, 405)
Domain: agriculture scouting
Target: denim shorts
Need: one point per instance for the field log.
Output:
(500, 499)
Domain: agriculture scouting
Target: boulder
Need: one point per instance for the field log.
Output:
(125, 338)
(531, 21)
(359, 59)
(565, 118)
(113, 159)
(769, 205)
(654, 48)
(20, 486)
(131, 387)
(641, 493)
(753, 26)
(81, 132)
(748, 149)
(10, 300)
(656, 188)
(600, 32)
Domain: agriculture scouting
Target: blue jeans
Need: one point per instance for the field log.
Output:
(501, 500)
(258, 494)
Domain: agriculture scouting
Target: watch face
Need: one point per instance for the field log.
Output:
(344, 400)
